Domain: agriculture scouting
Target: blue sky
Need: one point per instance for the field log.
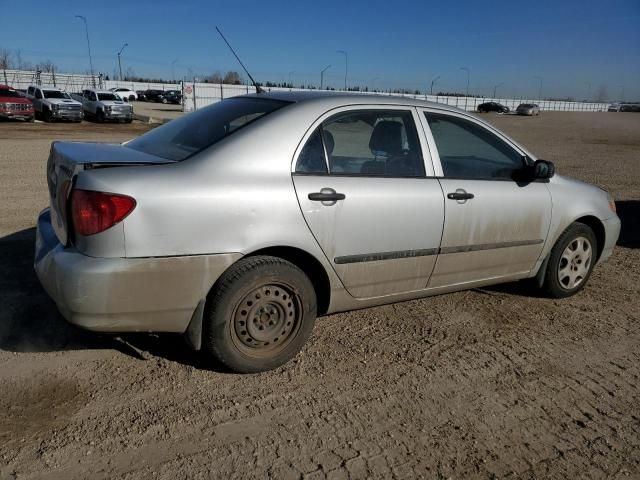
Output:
(400, 45)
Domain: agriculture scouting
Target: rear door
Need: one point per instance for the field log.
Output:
(496, 222)
(370, 198)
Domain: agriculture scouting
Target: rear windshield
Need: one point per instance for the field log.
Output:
(108, 96)
(54, 94)
(4, 92)
(192, 133)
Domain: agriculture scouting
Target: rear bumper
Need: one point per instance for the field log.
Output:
(124, 294)
(611, 232)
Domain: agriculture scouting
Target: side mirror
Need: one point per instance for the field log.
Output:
(543, 169)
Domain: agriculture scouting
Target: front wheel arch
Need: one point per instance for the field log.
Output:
(598, 229)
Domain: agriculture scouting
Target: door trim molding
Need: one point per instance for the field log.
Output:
(374, 257)
(425, 252)
(489, 246)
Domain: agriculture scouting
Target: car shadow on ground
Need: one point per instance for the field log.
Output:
(30, 322)
(629, 213)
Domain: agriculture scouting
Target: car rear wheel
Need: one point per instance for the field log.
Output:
(571, 261)
(259, 315)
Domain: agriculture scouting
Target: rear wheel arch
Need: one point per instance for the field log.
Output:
(310, 265)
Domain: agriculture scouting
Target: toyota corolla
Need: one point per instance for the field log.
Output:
(238, 224)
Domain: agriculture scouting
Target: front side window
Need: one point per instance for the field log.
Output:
(38, 94)
(365, 143)
(467, 150)
(192, 133)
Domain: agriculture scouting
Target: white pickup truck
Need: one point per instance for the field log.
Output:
(53, 104)
(104, 105)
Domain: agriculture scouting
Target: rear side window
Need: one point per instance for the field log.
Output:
(468, 150)
(365, 143)
(312, 158)
(192, 133)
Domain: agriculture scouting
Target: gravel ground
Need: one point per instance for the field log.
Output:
(489, 383)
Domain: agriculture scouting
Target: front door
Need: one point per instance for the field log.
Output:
(495, 223)
(364, 192)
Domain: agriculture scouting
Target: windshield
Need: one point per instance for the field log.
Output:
(192, 133)
(8, 92)
(108, 96)
(55, 94)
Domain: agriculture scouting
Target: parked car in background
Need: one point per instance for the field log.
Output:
(53, 104)
(125, 93)
(208, 227)
(105, 105)
(140, 94)
(15, 106)
(528, 109)
(492, 107)
(152, 95)
(171, 96)
(614, 107)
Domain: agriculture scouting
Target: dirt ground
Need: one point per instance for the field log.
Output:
(489, 383)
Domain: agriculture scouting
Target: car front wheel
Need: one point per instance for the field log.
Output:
(259, 315)
(571, 261)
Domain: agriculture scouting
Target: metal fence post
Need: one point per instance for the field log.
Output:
(195, 104)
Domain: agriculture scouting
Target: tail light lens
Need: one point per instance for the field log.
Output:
(94, 212)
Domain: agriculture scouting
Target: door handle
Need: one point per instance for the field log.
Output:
(326, 196)
(460, 195)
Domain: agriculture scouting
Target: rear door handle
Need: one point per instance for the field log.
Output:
(460, 195)
(326, 196)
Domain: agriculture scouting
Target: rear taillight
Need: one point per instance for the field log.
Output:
(94, 212)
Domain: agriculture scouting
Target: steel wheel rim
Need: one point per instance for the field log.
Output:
(575, 263)
(266, 320)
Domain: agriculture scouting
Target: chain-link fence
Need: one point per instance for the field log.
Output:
(198, 95)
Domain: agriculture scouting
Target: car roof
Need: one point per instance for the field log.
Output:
(349, 98)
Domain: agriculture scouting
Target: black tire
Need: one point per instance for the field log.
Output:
(131, 98)
(552, 284)
(259, 314)
(47, 116)
(31, 119)
(100, 116)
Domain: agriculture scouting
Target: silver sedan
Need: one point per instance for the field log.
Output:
(238, 224)
(530, 109)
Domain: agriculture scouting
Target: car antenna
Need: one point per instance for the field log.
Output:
(258, 88)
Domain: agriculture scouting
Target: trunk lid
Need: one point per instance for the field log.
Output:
(68, 159)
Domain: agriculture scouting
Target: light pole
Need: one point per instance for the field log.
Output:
(433, 82)
(120, 64)
(346, 66)
(173, 71)
(540, 90)
(468, 77)
(322, 75)
(86, 29)
(495, 87)
(290, 74)
(588, 84)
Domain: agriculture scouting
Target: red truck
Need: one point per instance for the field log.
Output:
(13, 105)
